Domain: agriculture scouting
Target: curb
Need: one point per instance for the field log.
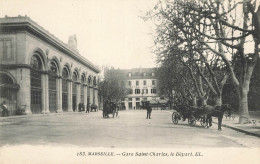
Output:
(240, 130)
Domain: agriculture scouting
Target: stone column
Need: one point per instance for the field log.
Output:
(126, 105)
(85, 94)
(24, 80)
(70, 96)
(91, 95)
(43, 83)
(96, 97)
(77, 96)
(88, 93)
(47, 109)
(59, 94)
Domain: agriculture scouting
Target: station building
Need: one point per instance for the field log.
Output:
(41, 74)
(141, 85)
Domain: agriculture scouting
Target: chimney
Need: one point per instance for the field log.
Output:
(73, 43)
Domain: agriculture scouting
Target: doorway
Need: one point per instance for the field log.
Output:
(74, 102)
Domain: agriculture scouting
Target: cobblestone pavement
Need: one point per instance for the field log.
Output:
(130, 130)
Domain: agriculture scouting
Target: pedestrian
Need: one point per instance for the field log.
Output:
(149, 110)
(88, 107)
(134, 107)
(79, 107)
(117, 109)
(5, 112)
(83, 106)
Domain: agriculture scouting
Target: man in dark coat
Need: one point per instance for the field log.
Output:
(149, 110)
(79, 107)
(82, 107)
(88, 106)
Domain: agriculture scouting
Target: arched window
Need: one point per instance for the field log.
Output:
(5, 79)
(83, 78)
(94, 81)
(36, 62)
(65, 76)
(74, 91)
(65, 73)
(8, 91)
(89, 79)
(52, 86)
(74, 76)
(36, 87)
(53, 67)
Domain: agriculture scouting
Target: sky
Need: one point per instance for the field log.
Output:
(109, 32)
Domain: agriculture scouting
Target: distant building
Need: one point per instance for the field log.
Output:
(41, 74)
(141, 85)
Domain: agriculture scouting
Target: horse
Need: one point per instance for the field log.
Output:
(106, 109)
(215, 111)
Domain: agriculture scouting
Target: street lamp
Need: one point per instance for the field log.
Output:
(142, 94)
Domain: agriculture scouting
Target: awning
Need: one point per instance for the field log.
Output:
(158, 102)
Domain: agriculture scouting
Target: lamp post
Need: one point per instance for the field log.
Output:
(142, 96)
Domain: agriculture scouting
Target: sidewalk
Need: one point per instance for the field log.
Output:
(252, 128)
(41, 115)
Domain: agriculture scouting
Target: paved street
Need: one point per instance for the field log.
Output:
(130, 130)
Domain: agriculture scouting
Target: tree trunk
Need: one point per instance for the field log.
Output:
(243, 89)
(194, 101)
(243, 105)
(203, 102)
(218, 100)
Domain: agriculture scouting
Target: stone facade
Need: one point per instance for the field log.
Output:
(141, 85)
(43, 71)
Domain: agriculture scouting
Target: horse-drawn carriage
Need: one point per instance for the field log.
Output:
(202, 114)
(110, 108)
(93, 107)
(183, 112)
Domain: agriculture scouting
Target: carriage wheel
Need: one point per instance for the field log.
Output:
(192, 121)
(175, 118)
(203, 122)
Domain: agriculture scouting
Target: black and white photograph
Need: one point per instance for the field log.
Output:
(129, 81)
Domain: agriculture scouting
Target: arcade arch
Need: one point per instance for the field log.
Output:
(8, 91)
(36, 83)
(65, 88)
(53, 75)
(75, 98)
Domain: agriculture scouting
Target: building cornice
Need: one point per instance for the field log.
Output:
(19, 24)
(14, 66)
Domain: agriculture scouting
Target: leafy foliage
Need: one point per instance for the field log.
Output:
(112, 87)
(208, 38)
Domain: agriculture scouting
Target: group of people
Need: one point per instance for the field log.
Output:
(81, 107)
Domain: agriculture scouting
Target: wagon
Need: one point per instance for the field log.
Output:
(203, 114)
(110, 108)
(183, 112)
(93, 107)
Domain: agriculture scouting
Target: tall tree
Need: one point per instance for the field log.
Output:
(112, 86)
(204, 27)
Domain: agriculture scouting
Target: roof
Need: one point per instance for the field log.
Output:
(138, 73)
(24, 23)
